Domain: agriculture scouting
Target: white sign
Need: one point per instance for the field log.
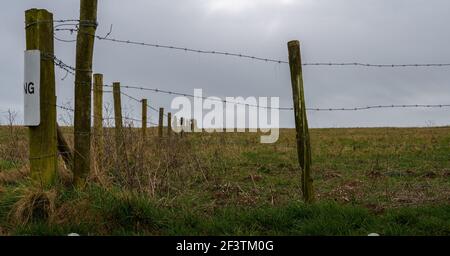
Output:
(31, 86)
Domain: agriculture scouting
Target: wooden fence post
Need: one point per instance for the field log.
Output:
(182, 126)
(169, 124)
(83, 85)
(98, 120)
(43, 138)
(301, 121)
(192, 125)
(120, 143)
(161, 124)
(144, 119)
(174, 123)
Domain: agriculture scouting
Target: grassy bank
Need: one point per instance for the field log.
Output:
(97, 211)
(383, 180)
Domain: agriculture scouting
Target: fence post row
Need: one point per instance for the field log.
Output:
(161, 124)
(301, 121)
(83, 84)
(98, 120)
(43, 138)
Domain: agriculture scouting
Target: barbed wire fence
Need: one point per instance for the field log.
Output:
(107, 37)
(72, 26)
(71, 70)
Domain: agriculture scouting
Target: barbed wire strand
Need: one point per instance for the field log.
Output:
(137, 100)
(79, 22)
(264, 59)
(284, 108)
(256, 58)
(105, 118)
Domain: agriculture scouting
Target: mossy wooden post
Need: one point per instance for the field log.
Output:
(169, 124)
(120, 150)
(301, 121)
(83, 85)
(98, 120)
(161, 124)
(43, 138)
(144, 119)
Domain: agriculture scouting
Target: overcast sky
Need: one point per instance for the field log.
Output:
(370, 31)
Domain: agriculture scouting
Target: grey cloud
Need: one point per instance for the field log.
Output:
(373, 31)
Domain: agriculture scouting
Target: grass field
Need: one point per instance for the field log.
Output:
(384, 180)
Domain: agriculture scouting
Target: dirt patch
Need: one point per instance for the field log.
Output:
(233, 193)
(375, 175)
(430, 175)
(375, 208)
(446, 174)
(327, 175)
(254, 178)
(347, 192)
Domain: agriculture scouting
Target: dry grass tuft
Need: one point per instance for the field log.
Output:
(14, 176)
(3, 232)
(65, 175)
(34, 204)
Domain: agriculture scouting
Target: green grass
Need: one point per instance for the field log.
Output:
(119, 213)
(6, 165)
(384, 180)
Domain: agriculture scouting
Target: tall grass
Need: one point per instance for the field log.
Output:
(389, 181)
